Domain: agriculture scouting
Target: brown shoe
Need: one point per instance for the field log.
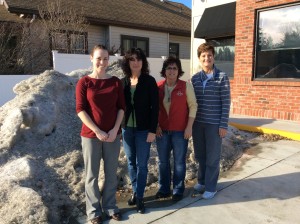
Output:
(117, 216)
(97, 220)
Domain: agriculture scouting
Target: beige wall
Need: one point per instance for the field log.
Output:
(96, 35)
(184, 45)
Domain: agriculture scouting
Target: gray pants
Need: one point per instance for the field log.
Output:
(207, 149)
(93, 151)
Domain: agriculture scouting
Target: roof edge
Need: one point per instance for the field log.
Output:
(95, 21)
(4, 3)
(102, 22)
(22, 10)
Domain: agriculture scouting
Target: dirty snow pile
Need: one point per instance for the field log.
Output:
(41, 164)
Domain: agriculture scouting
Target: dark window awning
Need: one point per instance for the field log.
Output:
(217, 22)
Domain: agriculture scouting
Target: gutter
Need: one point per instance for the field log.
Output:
(21, 10)
(106, 22)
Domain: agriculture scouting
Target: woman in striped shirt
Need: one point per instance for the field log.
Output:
(212, 90)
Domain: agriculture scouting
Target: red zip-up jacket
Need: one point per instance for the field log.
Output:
(179, 112)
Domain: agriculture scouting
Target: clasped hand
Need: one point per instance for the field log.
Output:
(106, 137)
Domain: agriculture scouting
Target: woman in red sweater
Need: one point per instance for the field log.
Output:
(100, 105)
(177, 111)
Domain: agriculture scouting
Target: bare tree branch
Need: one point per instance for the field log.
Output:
(64, 24)
(26, 47)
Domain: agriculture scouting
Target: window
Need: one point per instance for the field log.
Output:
(59, 42)
(277, 52)
(128, 42)
(69, 42)
(174, 50)
(78, 43)
(224, 54)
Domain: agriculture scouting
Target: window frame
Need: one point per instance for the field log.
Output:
(135, 39)
(256, 50)
(178, 48)
(69, 49)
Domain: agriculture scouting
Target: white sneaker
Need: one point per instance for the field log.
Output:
(199, 188)
(208, 195)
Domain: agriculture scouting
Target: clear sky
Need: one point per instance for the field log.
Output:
(188, 3)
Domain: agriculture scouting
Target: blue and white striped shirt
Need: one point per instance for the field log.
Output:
(213, 99)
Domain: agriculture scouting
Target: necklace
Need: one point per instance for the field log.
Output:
(169, 92)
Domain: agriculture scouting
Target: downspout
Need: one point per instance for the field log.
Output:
(30, 52)
(168, 51)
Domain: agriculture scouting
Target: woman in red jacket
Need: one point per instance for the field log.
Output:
(100, 105)
(177, 111)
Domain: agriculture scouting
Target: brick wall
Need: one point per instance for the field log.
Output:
(270, 99)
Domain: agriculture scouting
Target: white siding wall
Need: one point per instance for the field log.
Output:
(65, 63)
(158, 42)
(96, 35)
(184, 45)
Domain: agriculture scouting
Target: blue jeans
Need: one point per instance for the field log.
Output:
(207, 149)
(137, 151)
(172, 140)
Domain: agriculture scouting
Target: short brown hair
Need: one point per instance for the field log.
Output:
(167, 62)
(98, 47)
(204, 48)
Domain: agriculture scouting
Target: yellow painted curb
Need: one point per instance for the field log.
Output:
(290, 135)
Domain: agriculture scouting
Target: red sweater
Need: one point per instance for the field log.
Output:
(178, 114)
(101, 99)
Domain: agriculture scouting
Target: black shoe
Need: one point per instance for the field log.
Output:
(97, 220)
(140, 207)
(117, 216)
(177, 197)
(132, 200)
(160, 195)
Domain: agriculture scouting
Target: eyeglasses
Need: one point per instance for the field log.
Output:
(172, 68)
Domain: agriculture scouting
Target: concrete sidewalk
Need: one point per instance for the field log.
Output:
(263, 187)
(289, 129)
